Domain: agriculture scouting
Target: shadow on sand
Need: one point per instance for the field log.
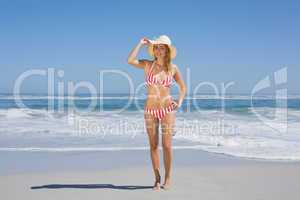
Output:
(92, 186)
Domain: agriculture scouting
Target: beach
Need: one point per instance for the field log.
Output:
(229, 154)
(87, 88)
(196, 174)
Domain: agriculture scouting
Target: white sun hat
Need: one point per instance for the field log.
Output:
(163, 39)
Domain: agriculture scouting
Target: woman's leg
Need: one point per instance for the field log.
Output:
(152, 125)
(167, 126)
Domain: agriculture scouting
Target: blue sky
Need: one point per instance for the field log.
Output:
(219, 41)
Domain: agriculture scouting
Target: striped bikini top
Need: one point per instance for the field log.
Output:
(152, 79)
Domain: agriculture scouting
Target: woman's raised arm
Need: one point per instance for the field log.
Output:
(132, 60)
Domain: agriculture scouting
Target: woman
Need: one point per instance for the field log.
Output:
(159, 106)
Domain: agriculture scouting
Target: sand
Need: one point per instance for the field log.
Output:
(128, 175)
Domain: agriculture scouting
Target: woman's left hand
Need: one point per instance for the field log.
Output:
(176, 104)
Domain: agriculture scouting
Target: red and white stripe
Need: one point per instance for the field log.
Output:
(150, 80)
(160, 113)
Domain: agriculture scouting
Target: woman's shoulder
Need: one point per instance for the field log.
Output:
(147, 63)
(174, 68)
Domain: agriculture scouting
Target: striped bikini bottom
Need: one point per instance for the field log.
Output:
(159, 113)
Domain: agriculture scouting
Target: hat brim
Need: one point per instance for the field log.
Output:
(173, 50)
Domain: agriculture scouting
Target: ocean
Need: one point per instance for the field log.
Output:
(237, 125)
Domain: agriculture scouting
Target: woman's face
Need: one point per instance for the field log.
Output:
(160, 50)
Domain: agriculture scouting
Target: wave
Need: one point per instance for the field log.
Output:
(239, 133)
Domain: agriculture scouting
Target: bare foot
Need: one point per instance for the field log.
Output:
(156, 185)
(167, 184)
(157, 181)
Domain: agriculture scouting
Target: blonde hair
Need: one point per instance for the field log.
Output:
(167, 59)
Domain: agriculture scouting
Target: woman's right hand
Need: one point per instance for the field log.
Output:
(145, 41)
